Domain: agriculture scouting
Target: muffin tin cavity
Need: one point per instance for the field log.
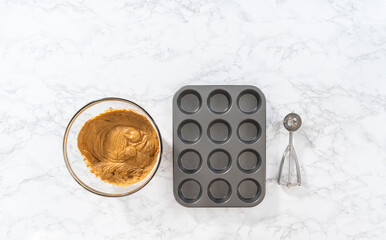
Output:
(189, 102)
(219, 161)
(248, 190)
(249, 161)
(219, 131)
(219, 146)
(249, 131)
(189, 191)
(219, 101)
(189, 131)
(189, 161)
(249, 101)
(219, 191)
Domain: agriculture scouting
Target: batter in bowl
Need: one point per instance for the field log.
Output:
(120, 146)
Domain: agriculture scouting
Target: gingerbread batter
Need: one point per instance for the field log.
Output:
(120, 146)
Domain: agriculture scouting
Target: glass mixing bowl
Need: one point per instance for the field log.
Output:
(74, 160)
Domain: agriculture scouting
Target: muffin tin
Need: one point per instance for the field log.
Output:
(219, 146)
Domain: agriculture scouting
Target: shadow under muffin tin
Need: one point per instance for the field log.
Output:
(219, 146)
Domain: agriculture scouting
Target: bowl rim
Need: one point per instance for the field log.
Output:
(65, 137)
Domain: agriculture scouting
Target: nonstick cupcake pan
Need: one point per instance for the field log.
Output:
(219, 146)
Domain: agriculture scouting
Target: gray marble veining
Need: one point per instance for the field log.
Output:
(322, 59)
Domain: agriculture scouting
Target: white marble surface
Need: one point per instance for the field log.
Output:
(325, 60)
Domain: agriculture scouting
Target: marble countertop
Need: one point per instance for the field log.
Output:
(322, 59)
